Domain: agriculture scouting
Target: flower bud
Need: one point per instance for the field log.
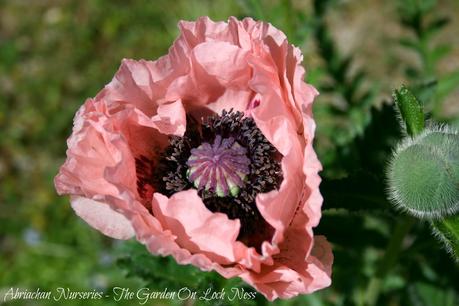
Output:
(423, 174)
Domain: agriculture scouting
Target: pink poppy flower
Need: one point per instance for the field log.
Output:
(206, 155)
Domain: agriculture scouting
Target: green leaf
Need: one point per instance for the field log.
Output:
(436, 25)
(447, 231)
(409, 43)
(447, 84)
(440, 52)
(425, 90)
(410, 109)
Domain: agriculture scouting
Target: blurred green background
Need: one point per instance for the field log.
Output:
(54, 54)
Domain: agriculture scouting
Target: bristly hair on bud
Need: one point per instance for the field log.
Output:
(423, 173)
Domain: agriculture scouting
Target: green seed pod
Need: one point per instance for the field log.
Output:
(423, 174)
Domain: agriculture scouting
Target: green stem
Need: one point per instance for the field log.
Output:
(394, 247)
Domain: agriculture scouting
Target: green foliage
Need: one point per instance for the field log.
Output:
(421, 19)
(162, 272)
(425, 294)
(349, 101)
(158, 273)
(294, 22)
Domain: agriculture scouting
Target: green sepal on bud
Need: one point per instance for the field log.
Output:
(447, 231)
(410, 110)
(423, 174)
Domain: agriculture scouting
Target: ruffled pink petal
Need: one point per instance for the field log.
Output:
(170, 119)
(197, 229)
(198, 88)
(162, 242)
(238, 99)
(321, 261)
(215, 68)
(103, 218)
(101, 156)
(278, 207)
(292, 275)
(203, 30)
(225, 62)
(90, 153)
(314, 199)
(131, 85)
(102, 151)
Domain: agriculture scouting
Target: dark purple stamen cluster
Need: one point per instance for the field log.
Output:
(229, 161)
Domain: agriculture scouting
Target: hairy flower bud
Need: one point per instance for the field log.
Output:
(423, 174)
